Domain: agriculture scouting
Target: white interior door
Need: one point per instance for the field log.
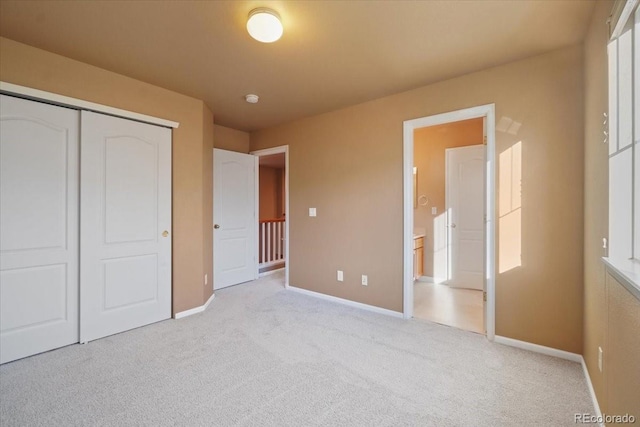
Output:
(234, 217)
(38, 227)
(465, 208)
(125, 229)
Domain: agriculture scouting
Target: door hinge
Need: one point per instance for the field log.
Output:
(484, 296)
(484, 140)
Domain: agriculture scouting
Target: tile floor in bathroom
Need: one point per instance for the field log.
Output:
(460, 308)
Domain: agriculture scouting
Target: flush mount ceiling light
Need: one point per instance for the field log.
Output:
(251, 98)
(264, 25)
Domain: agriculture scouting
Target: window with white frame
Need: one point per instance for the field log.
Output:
(624, 136)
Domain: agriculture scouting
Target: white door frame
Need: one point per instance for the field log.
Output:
(79, 104)
(267, 152)
(485, 111)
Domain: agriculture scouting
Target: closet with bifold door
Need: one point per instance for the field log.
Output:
(85, 226)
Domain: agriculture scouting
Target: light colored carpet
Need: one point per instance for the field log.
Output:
(262, 355)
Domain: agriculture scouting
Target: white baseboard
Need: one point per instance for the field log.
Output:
(539, 349)
(195, 310)
(347, 302)
(592, 392)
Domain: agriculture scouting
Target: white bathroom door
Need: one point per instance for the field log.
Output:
(465, 207)
(38, 227)
(234, 216)
(125, 227)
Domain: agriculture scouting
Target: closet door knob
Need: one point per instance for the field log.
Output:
(165, 233)
(216, 226)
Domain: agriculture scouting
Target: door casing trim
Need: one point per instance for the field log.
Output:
(80, 104)
(482, 111)
(267, 152)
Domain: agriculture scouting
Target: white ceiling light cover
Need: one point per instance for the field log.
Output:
(252, 98)
(264, 25)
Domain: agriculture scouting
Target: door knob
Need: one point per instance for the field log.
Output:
(165, 233)
(216, 226)
(453, 226)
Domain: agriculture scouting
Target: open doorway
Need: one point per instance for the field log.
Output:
(449, 176)
(272, 182)
(448, 223)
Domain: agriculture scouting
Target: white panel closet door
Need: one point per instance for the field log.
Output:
(38, 227)
(125, 228)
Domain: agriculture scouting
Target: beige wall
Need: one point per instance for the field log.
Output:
(271, 195)
(621, 393)
(596, 195)
(36, 68)
(230, 139)
(348, 164)
(611, 313)
(207, 197)
(429, 145)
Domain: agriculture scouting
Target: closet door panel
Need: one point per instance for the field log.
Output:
(126, 225)
(131, 190)
(38, 227)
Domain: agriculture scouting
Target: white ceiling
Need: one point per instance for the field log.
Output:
(332, 53)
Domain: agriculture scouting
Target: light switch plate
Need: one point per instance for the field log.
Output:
(340, 276)
(434, 211)
(312, 211)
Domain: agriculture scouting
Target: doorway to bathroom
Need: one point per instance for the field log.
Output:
(448, 219)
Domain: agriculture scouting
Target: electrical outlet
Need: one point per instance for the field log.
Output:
(340, 276)
(206, 279)
(365, 280)
(600, 358)
(434, 210)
